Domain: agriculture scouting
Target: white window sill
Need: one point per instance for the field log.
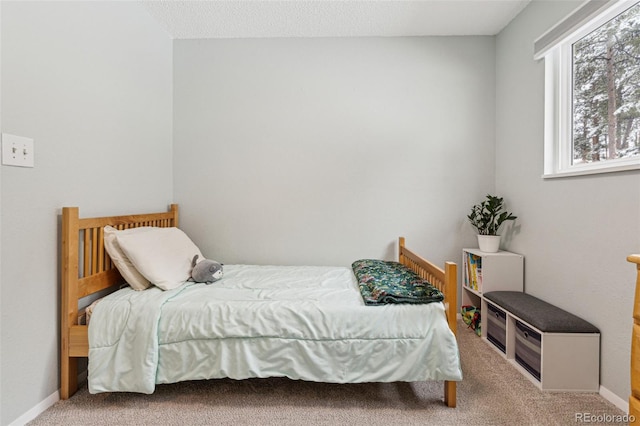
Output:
(592, 170)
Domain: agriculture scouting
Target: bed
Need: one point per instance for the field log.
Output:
(87, 270)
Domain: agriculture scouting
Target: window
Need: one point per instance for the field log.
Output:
(592, 95)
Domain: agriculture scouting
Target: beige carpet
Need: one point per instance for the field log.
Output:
(493, 392)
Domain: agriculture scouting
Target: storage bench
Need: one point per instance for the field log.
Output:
(554, 348)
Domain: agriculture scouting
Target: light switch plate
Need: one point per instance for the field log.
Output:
(17, 151)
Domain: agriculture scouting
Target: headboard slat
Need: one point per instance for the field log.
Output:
(94, 251)
(86, 264)
(101, 251)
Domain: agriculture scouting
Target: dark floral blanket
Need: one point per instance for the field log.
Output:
(382, 282)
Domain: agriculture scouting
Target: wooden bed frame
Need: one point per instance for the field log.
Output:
(87, 269)
(634, 398)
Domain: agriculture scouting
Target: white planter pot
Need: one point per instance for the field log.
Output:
(489, 243)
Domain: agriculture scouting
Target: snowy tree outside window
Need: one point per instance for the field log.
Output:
(592, 91)
(606, 90)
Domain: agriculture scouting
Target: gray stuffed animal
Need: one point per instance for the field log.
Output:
(205, 271)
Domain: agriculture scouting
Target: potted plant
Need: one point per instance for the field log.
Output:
(487, 217)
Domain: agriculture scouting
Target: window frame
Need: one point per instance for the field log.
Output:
(558, 105)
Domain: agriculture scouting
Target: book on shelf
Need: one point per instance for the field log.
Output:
(473, 276)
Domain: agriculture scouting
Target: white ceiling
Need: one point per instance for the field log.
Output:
(332, 18)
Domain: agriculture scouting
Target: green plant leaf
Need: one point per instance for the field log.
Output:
(488, 216)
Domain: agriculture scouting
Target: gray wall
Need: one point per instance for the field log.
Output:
(323, 151)
(0, 225)
(91, 83)
(315, 151)
(575, 233)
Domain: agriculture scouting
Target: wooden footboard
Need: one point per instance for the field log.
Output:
(87, 269)
(446, 281)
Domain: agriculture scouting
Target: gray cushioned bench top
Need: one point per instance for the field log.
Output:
(540, 314)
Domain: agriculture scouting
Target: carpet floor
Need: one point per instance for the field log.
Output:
(493, 392)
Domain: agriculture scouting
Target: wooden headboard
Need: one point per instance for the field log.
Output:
(87, 269)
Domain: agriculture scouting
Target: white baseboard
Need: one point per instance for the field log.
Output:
(614, 399)
(43, 405)
(37, 410)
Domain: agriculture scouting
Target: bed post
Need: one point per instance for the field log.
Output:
(174, 211)
(69, 300)
(451, 286)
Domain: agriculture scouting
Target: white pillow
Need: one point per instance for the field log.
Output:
(163, 255)
(123, 264)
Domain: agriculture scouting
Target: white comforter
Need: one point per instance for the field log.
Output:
(306, 323)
